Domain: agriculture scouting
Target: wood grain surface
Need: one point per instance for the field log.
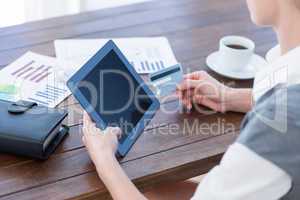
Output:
(171, 148)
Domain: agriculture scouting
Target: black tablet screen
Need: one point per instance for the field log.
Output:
(115, 94)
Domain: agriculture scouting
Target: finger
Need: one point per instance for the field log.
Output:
(188, 84)
(114, 130)
(179, 94)
(84, 130)
(184, 94)
(189, 98)
(195, 75)
(198, 99)
(85, 118)
(83, 140)
(89, 128)
(188, 95)
(187, 103)
(118, 132)
(184, 102)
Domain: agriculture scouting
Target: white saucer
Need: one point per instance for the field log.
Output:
(248, 72)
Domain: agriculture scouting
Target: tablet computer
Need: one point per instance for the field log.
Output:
(113, 94)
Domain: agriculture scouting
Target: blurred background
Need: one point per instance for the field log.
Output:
(31, 10)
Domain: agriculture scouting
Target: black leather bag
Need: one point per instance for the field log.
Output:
(30, 130)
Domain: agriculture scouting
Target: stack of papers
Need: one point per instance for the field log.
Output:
(43, 79)
(146, 55)
(36, 78)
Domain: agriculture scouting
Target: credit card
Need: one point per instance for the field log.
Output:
(165, 81)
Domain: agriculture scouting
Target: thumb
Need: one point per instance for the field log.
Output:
(188, 84)
(115, 130)
(196, 75)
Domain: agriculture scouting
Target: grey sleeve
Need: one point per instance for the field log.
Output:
(272, 130)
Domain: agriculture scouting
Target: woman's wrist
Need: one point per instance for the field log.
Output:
(115, 179)
(104, 160)
(238, 99)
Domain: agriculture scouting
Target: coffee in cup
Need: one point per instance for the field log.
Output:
(236, 52)
(236, 46)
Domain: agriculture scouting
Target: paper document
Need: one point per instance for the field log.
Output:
(146, 55)
(36, 78)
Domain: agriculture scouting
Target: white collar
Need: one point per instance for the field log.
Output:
(281, 69)
(273, 54)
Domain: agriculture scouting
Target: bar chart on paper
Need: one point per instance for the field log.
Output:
(48, 95)
(36, 78)
(148, 66)
(146, 55)
(32, 71)
(147, 59)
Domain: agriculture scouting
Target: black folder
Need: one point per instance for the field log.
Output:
(30, 130)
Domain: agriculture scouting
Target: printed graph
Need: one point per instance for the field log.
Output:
(48, 95)
(148, 66)
(35, 78)
(32, 71)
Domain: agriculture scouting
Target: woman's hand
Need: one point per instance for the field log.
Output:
(201, 88)
(100, 144)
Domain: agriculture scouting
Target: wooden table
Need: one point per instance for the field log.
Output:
(194, 28)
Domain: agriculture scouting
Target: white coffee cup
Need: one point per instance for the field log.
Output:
(232, 55)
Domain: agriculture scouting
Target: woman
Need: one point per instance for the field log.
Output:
(243, 173)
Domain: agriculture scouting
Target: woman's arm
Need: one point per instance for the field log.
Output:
(201, 88)
(239, 100)
(101, 146)
(116, 181)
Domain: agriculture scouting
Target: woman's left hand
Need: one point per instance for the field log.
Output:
(101, 144)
